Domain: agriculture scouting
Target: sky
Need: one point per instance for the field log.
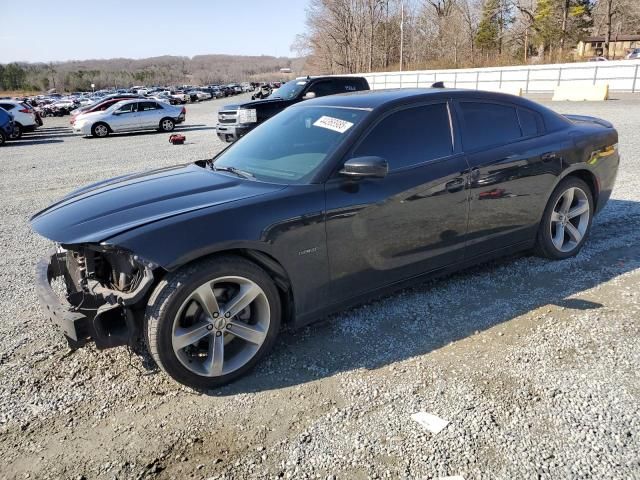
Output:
(45, 30)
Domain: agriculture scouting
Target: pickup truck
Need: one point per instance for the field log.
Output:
(235, 121)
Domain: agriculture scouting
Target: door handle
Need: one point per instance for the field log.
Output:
(549, 156)
(455, 185)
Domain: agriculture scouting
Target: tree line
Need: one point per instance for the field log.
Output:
(122, 72)
(349, 36)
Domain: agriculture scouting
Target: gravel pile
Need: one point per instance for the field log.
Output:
(533, 363)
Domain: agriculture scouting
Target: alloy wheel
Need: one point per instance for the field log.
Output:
(167, 125)
(570, 219)
(221, 326)
(101, 130)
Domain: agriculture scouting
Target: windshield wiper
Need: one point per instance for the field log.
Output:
(234, 170)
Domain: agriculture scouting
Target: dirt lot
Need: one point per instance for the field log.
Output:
(533, 363)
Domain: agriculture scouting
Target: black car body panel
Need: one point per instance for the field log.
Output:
(98, 212)
(332, 241)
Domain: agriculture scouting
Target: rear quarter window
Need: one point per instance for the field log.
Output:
(347, 85)
(530, 122)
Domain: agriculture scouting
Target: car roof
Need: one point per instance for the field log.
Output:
(373, 99)
(315, 77)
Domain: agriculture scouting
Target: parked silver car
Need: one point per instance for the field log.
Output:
(633, 54)
(129, 116)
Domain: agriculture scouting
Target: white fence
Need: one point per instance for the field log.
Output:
(621, 75)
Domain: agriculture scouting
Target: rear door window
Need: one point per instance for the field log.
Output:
(488, 124)
(410, 137)
(146, 106)
(7, 106)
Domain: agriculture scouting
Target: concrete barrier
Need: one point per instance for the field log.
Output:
(578, 92)
(620, 75)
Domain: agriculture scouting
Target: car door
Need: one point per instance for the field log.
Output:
(149, 114)
(124, 118)
(381, 231)
(513, 167)
(322, 88)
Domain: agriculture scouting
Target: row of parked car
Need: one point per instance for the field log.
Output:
(57, 105)
(192, 94)
(109, 111)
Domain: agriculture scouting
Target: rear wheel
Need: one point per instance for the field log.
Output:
(100, 130)
(17, 132)
(209, 323)
(167, 125)
(3, 138)
(566, 221)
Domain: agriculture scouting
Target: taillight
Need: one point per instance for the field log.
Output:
(25, 110)
(184, 110)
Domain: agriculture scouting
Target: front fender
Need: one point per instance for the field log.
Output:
(288, 226)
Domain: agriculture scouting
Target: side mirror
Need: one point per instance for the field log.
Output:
(365, 167)
(309, 96)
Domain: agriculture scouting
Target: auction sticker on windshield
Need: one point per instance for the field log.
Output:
(331, 123)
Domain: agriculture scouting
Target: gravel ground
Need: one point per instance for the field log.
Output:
(532, 362)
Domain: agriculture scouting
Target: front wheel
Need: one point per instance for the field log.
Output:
(209, 323)
(100, 130)
(566, 221)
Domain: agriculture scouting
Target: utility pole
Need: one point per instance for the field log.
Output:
(401, 31)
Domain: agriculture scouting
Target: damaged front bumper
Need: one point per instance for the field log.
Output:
(101, 315)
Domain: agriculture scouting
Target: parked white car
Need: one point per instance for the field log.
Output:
(129, 116)
(201, 95)
(24, 116)
(177, 94)
(64, 103)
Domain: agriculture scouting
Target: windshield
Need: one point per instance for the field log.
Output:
(289, 90)
(290, 147)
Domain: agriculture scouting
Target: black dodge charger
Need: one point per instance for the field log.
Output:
(328, 204)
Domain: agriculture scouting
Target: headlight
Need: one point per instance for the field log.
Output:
(247, 115)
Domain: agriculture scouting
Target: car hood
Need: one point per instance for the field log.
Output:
(94, 213)
(254, 103)
(83, 115)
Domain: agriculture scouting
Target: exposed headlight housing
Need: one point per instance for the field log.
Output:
(247, 115)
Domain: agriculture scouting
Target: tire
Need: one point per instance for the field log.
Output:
(100, 130)
(561, 235)
(3, 138)
(167, 125)
(17, 132)
(174, 310)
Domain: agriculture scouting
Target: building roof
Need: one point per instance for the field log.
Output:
(614, 38)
